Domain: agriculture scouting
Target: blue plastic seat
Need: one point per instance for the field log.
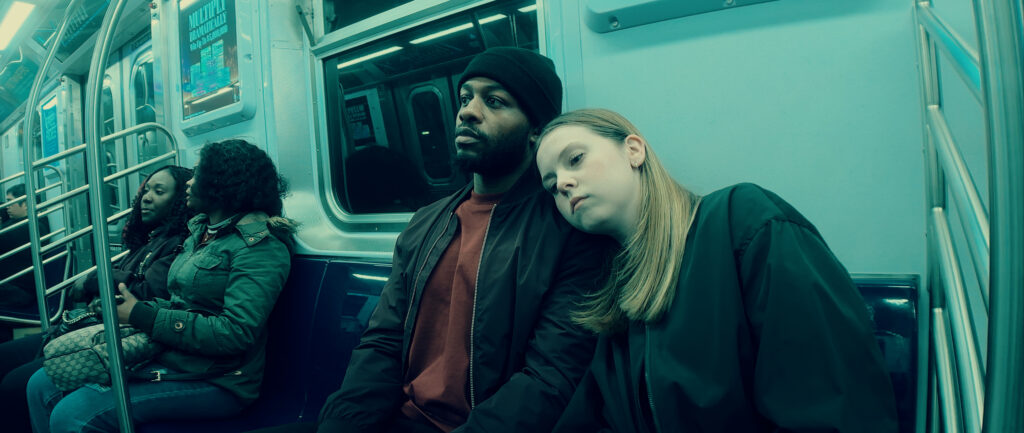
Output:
(893, 304)
(326, 305)
(313, 329)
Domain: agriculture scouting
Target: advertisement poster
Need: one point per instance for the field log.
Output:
(48, 126)
(209, 55)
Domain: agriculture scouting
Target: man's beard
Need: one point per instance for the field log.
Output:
(496, 157)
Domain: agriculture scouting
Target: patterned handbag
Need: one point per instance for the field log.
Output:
(80, 357)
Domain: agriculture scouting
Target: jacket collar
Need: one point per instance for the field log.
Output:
(253, 226)
(524, 188)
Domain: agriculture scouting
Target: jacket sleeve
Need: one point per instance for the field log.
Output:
(153, 284)
(558, 352)
(372, 388)
(256, 276)
(818, 366)
(583, 414)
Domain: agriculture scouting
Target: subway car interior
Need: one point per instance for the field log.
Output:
(897, 126)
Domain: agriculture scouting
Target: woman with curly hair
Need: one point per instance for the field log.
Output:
(155, 229)
(222, 286)
(723, 313)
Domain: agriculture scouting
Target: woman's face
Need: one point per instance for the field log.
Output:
(593, 179)
(157, 197)
(191, 200)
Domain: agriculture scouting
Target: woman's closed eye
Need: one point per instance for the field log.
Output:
(575, 159)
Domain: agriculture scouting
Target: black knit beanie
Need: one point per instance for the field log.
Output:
(528, 76)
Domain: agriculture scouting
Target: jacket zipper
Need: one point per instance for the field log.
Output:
(647, 377)
(419, 271)
(472, 319)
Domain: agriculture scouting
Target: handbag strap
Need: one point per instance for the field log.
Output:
(158, 376)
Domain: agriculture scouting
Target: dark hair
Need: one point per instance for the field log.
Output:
(17, 190)
(238, 177)
(136, 233)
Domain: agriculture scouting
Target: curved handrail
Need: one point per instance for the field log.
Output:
(1000, 37)
(33, 99)
(94, 159)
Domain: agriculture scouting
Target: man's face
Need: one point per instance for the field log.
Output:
(16, 211)
(491, 132)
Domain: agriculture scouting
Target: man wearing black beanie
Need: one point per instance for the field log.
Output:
(472, 331)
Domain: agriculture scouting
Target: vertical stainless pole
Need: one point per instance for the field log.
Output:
(30, 181)
(99, 226)
(1000, 36)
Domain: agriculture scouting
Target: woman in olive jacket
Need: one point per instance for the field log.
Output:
(724, 313)
(223, 286)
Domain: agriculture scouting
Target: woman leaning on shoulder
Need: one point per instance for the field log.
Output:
(723, 313)
(222, 287)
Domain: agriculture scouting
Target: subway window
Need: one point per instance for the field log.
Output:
(341, 13)
(391, 106)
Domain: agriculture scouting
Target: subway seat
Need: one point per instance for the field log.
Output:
(327, 302)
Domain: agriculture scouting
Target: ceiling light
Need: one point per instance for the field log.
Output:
(369, 56)
(442, 33)
(13, 21)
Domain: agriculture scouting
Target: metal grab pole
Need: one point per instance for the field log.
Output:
(99, 226)
(30, 187)
(1001, 36)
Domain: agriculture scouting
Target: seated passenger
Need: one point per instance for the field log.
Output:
(154, 231)
(725, 313)
(19, 292)
(471, 332)
(222, 288)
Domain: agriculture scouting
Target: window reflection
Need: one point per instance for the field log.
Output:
(391, 114)
(341, 13)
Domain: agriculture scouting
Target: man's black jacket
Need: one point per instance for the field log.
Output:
(526, 354)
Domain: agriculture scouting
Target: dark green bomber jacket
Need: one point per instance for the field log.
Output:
(221, 296)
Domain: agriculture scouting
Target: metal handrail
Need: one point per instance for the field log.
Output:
(87, 271)
(140, 166)
(97, 66)
(18, 224)
(33, 99)
(81, 232)
(946, 388)
(29, 269)
(1000, 38)
(17, 200)
(973, 216)
(969, 367)
(27, 245)
(59, 155)
(134, 129)
(57, 288)
(964, 57)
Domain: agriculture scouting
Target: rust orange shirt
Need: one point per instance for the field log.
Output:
(437, 379)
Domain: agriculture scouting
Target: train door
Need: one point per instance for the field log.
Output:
(112, 117)
(10, 152)
(59, 114)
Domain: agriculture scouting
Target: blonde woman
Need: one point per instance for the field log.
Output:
(723, 313)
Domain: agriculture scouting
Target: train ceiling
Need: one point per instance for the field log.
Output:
(21, 60)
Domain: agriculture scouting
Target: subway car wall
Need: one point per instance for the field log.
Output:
(792, 94)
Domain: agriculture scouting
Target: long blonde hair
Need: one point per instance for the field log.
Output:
(643, 277)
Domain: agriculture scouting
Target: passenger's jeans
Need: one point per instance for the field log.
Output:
(92, 408)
